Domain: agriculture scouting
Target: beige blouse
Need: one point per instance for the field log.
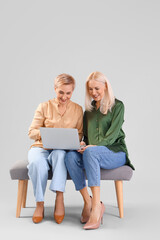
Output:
(48, 115)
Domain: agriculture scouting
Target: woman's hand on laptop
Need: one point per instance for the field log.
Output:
(82, 144)
(83, 147)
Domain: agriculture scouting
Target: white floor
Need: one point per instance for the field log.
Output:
(141, 219)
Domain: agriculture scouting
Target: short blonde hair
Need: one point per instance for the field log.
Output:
(108, 100)
(64, 79)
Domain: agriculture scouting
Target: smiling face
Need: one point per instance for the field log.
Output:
(96, 90)
(64, 93)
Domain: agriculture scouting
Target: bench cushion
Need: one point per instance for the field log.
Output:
(19, 171)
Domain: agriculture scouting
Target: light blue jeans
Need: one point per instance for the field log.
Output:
(40, 161)
(92, 160)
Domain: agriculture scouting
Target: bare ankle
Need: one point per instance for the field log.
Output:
(59, 196)
(88, 200)
(40, 204)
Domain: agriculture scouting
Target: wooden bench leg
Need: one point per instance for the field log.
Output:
(24, 193)
(21, 184)
(119, 193)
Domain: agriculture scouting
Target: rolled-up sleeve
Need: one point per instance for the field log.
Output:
(38, 121)
(80, 123)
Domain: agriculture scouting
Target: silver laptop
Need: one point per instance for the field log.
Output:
(60, 138)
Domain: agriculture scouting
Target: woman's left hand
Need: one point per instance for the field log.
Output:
(84, 148)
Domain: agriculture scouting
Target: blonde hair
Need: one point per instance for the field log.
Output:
(64, 79)
(108, 100)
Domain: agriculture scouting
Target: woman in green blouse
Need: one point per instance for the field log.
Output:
(105, 146)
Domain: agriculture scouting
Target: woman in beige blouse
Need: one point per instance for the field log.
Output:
(60, 112)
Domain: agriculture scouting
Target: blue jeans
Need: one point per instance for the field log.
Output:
(92, 160)
(40, 161)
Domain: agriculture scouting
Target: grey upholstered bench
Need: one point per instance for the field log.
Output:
(19, 172)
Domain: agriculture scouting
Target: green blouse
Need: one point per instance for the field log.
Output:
(106, 130)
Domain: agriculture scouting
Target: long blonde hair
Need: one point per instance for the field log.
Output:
(108, 100)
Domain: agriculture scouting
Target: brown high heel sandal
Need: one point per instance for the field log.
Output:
(38, 219)
(58, 218)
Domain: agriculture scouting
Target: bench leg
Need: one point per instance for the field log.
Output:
(24, 193)
(119, 193)
(21, 186)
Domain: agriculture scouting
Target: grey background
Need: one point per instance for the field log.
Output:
(41, 39)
